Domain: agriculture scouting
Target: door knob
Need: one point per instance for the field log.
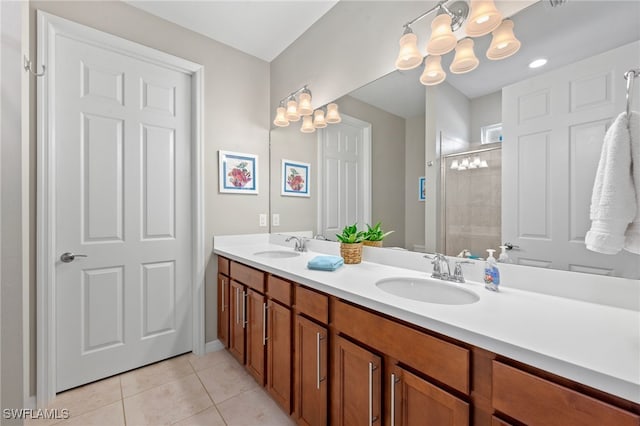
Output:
(69, 257)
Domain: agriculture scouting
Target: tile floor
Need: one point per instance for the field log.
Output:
(188, 390)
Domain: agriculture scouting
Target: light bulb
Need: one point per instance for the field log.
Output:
(409, 56)
(433, 73)
(503, 43)
(465, 59)
(333, 116)
(442, 40)
(281, 120)
(483, 18)
(318, 119)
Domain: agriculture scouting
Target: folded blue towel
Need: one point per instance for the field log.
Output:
(325, 263)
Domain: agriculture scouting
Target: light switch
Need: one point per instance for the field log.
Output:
(275, 221)
(263, 219)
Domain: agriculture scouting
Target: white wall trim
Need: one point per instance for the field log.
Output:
(50, 26)
(213, 346)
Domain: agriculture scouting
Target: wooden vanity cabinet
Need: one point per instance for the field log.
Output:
(279, 341)
(237, 315)
(311, 357)
(223, 300)
(256, 334)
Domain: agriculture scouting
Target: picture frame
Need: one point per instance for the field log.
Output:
(237, 172)
(295, 179)
(422, 193)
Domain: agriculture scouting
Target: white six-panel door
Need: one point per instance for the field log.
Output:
(554, 127)
(122, 188)
(345, 187)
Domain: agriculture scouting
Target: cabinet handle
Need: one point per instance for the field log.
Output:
(244, 309)
(237, 305)
(319, 337)
(222, 296)
(393, 398)
(264, 324)
(371, 417)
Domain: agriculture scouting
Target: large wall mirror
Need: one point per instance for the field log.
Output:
(508, 153)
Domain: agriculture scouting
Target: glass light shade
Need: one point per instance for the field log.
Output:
(307, 124)
(292, 110)
(281, 120)
(465, 59)
(409, 56)
(304, 104)
(433, 73)
(455, 164)
(503, 43)
(483, 18)
(442, 40)
(318, 119)
(333, 116)
(465, 163)
(483, 164)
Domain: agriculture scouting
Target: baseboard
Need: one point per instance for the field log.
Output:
(213, 346)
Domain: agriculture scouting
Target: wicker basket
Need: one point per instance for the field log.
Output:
(351, 253)
(372, 243)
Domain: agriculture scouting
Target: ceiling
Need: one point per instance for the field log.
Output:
(261, 28)
(563, 35)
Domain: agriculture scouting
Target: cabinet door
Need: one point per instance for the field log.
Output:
(310, 372)
(223, 309)
(256, 334)
(415, 401)
(356, 385)
(279, 352)
(237, 317)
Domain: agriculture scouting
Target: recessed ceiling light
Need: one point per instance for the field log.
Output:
(538, 63)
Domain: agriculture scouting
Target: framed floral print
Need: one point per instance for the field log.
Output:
(422, 192)
(238, 173)
(295, 179)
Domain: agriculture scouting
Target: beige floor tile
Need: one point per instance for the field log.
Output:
(210, 359)
(253, 408)
(156, 374)
(167, 403)
(85, 398)
(110, 415)
(225, 380)
(208, 417)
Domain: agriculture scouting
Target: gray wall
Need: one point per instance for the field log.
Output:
(485, 110)
(387, 166)
(12, 289)
(296, 213)
(237, 118)
(414, 168)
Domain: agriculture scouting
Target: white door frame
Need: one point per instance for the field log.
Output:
(367, 185)
(50, 26)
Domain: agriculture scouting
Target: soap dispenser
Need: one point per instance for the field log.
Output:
(491, 272)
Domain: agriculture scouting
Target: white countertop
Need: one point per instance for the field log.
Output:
(597, 345)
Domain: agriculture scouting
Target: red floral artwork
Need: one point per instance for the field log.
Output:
(295, 180)
(239, 176)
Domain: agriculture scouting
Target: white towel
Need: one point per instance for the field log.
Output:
(615, 202)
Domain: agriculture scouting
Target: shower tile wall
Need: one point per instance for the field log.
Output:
(473, 205)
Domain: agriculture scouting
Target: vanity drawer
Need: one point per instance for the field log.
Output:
(223, 265)
(536, 401)
(436, 358)
(279, 289)
(248, 276)
(312, 304)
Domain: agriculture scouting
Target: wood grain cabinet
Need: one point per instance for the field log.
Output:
(237, 320)
(356, 385)
(279, 342)
(311, 357)
(223, 301)
(256, 334)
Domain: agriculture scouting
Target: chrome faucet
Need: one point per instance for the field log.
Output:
(321, 237)
(458, 276)
(300, 243)
(440, 266)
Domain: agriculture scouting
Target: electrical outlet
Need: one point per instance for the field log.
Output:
(263, 219)
(275, 221)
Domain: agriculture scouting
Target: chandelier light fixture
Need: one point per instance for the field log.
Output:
(481, 18)
(291, 109)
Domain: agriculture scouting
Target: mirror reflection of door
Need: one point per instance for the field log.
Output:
(344, 153)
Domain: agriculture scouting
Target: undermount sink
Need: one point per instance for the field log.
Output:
(276, 254)
(427, 290)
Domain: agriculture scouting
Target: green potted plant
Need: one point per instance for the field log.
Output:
(374, 235)
(351, 244)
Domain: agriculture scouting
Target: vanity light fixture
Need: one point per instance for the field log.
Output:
(469, 163)
(484, 18)
(292, 109)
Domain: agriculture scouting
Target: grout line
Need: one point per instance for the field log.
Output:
(124, 413)
(211, 398)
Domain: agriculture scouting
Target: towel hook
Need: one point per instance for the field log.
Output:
(629, 76)
(28, 66)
